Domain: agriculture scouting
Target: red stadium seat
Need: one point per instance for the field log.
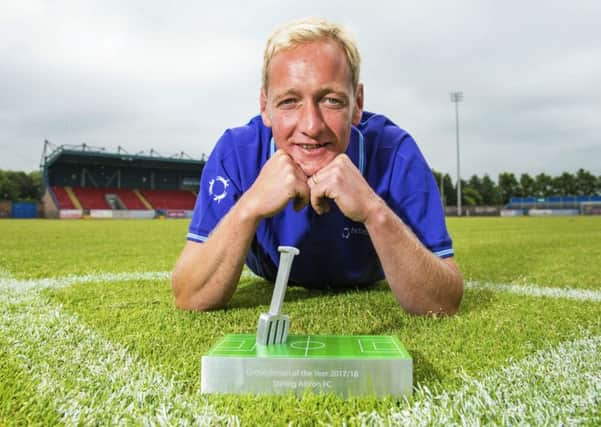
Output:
(92, 198)
(170, 199)
(62, 198)
(128, 197)
(95, 198)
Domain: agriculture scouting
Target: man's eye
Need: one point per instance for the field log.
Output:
(287, 102)
(333, 101)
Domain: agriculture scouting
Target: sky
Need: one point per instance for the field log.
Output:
(173, 76)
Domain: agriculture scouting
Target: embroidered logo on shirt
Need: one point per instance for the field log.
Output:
(348, 231)
(218, 188)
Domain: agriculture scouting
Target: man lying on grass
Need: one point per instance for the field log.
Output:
(347, 187)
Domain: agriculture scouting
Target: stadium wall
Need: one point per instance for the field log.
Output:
(5, 208)
(70, 214)
(513, 212)
(24, 210)
(175, 213)
(590, 208)
(473, 210)
(10, 209)
(553, 212)
(49, 205)
(122, 214)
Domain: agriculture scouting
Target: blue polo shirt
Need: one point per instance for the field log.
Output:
(334, 250)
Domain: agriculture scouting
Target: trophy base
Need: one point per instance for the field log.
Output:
(358, 365)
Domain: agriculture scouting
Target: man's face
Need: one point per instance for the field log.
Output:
(310, 103)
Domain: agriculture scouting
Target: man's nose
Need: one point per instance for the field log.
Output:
(311, 121)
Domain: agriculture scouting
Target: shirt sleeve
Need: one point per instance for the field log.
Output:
(414, 196)
(219, 190)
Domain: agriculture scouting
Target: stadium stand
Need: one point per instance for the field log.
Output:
(91, 181)
(62, 198)
(91, 198)
(108, 198)
(170, 199)
(554, 205)
(129, 198)
(554, 202)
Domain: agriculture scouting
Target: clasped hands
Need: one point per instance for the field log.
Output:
(281, 180)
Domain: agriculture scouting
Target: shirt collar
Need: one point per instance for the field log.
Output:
(356, 149)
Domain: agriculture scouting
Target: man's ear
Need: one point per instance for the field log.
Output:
(264, 112)
(358, 107)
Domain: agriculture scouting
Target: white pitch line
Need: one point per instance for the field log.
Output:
(92, 380)
(558, 386)
(307, 346)
(8, 282)
(538, 291)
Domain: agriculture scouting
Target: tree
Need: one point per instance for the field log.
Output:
(527, 185)
(475, 182)
(450, 191)
(34, 186)
(484, 191)
(8, 187)
(508, 186)
(19, 185)
(543, 185)
(471, 197)
(564, 185)
(490, 192)
(586, 183)
(471, 193)
(437, 178)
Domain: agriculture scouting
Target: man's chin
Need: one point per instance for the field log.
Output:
(311, 169)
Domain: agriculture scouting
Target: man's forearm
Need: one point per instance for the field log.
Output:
(421, 282)
(206, 274)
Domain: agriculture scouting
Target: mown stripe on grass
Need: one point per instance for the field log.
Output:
(91, 380)
(537, 291)
(559, 386)
(4, 273)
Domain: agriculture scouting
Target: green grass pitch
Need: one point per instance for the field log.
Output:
(89, 334)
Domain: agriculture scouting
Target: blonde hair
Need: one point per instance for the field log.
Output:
(309, 30)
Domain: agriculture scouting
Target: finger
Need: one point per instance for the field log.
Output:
(322, 205)
(302, 196)
(302, 192)
(298, 203)
(318, 195)
(290, 179)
